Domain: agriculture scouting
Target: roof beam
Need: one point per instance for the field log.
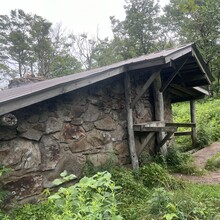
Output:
(184, 90)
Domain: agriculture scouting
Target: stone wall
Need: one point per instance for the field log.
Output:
(62, 133)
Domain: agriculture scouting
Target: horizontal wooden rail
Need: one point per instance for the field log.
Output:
(183, 133)
(183, 125)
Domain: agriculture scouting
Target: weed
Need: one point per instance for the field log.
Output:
(181, 162)
(213, 163)
(154, 175)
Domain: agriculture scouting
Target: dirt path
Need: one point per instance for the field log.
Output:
(201, 157)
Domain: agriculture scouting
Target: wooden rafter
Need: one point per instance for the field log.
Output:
(172, 76)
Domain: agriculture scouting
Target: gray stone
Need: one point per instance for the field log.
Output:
(50, 151)
(80, 146)
(7, 134)
(102, 159)
(77, 110)
(32, 134)
(88, 126)
(39, 127)
(43, 117)
(20, 154)
(106, 124)
(53, 125)
(119, 133)
(25, 186)
(73, 164)
(122, 149)
(98, 138)
(33, 119)
(72, 132)
(77, 121)
(91, 114)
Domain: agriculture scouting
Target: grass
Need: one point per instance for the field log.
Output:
(193, 201)
(213, 163)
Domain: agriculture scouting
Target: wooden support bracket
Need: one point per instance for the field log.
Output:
(165, 139)
(145, 142)
(172, 76)
(145, 87)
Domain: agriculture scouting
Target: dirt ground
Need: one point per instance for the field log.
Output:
(201, 157)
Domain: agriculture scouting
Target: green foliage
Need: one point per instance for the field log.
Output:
(213, 163)
(189, 20)
(154, 175)
(208, 122)
(159, 200)
(41, 211)
(181, 162)
(3, 193)
(64, 178)
(91, 198)
(133, 194)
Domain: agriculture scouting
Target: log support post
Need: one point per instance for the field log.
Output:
(159, 114)
(131, 141)
(193, 120)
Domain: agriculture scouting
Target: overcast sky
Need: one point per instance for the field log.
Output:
(76, 15)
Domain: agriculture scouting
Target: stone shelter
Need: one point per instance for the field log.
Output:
(114, 113)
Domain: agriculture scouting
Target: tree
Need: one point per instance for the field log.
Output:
(14, 39)
(197, 21)
(83, 47)
(63, 62)
(41, 44)
(138, 33)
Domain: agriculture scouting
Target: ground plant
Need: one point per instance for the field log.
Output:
(98, 197)
(213, 163)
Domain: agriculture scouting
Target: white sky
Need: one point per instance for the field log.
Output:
(75, 15)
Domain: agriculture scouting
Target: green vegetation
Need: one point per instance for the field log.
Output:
(213, 163)
(208, 122)
(148, 193)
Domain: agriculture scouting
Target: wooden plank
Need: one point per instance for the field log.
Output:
(131, 141)
(184, 90)
(154, 129)
(184, 125)
(183, 133)
(165, 139)
(151, 124)
(172, 76)
(145, 142)
(145, 87)
(193, 120)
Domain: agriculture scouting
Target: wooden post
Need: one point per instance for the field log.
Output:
(193, 120)
(159, 112)
(131, 141)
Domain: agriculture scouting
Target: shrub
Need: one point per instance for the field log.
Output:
(92, 198)
(181, 162)
(213, 163)
(154, 175)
